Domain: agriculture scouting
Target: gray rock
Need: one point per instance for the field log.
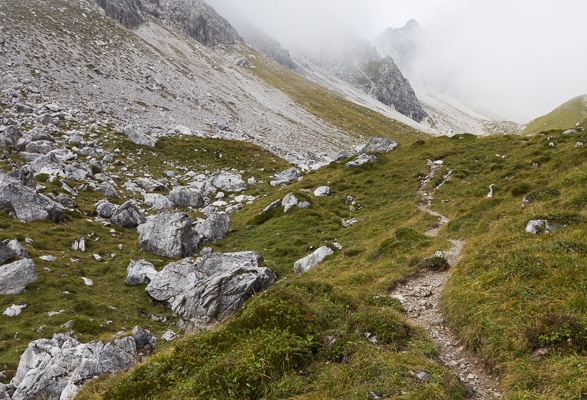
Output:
(41, 147)
(14, 310)
(48, 258)
(343, 155)
(168, 234)
(541, 226)
(107, 190)
(271, 206)
(361, 160)
(570, 132)
(168, 336)
(144, 339)
(285, 177)
(105, 209)
(134, 135)
(214, 227)
(26, 178)
(18, 249)
(28, 205)
(183, 196)
(14, 277)
(6, 253)
(48, 164)
(128, 216)
(303, 204)
(322, 191)
(22, 108)
(139, 273)
(252, 181)
(79, 244)
(208, 290)
(57, 368)
(158, 201)
(377, 145)
(66, 201)
(227, 182)
(312, 260)
(75, 174)
(151, 185)
(289, 201)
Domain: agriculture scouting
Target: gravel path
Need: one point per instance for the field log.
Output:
(421, 298)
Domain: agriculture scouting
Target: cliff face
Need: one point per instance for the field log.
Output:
(388, 85)
(401, 44)
(193, 17)
(354, 60)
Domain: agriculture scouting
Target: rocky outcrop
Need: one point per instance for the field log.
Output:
(168, 234)
(139, 273)
(322, 191)
(387, 84)
(377, 145)
(134, 135)
(227, 181)
(361, 160)
(285, 177)
(57, 368)
(15, 277)
(313, 260)
(206, 291)
(128, 216)
(105, 209)
(28, 205)
(186, 197)
(158, 201)
(195, 18)
(214, 227)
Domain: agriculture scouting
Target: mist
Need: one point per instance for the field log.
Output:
(519, 59)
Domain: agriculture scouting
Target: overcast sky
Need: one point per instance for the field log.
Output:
(521, 58)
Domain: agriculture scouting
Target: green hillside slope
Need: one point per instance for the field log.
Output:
(511, 294)
(563, 117)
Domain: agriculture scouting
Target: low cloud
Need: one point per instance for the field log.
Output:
(521, 59)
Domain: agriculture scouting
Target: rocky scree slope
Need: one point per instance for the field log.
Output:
(155, 77)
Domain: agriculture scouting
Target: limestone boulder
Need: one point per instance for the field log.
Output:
(128, 215)
(214, 227)
(313, 260)
(285, 177)
(28, 205)
(15, 277)
(206, 291)
(183, 196)
(139, 273)
(168, 234)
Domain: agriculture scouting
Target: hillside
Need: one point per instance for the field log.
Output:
(566, 116)
(181, 220)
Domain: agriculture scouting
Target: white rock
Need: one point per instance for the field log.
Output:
(322, 191)
(311, 261)
(289, 201)
(88, 281)
(14, 310)
(48, 258)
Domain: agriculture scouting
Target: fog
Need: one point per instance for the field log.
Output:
(518, 58)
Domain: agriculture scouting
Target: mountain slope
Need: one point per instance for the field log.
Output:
(566, 116)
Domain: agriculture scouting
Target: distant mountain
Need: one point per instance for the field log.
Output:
(400, 44)
(567, 115)
(348, 57)
(448, 112)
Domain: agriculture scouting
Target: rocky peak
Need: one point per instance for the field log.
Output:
(193, 17)
(401, 44)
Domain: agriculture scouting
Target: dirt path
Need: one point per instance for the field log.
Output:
(421, 299)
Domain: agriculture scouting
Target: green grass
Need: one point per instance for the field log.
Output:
(501, 298)
(566, 116)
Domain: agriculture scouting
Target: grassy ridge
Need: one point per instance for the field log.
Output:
(563, 117)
